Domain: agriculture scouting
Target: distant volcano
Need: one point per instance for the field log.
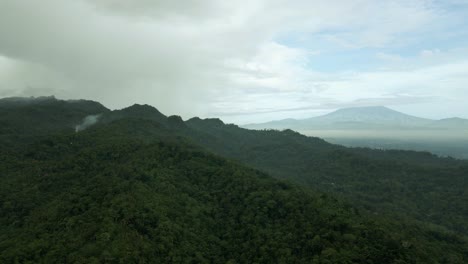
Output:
(372, 117)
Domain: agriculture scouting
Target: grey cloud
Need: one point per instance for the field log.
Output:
(174, 54)
(96, 55)
(189, 9)
(332, 104)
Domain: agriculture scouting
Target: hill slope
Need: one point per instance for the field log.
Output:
(104, 197)
(418, 198)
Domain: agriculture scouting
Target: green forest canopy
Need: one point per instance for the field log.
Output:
(142, 187)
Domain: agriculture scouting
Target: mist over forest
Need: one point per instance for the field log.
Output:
(443, 143)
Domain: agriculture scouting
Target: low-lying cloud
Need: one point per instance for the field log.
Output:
(87, 122)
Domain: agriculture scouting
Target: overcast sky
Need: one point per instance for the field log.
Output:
(243, 61)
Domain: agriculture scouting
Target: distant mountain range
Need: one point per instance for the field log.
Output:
(374, 117)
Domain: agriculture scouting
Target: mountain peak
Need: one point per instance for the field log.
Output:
(211, 122)
(379, 115)
(141, 107)
(176, 121)
(361, 109)
(142, 110)
(368, 107)
(136, 111)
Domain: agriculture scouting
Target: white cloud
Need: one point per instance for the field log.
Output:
(206, 57)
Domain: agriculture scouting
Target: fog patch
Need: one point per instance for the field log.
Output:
(87, 122)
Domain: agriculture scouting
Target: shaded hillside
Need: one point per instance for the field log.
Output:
(104, 197)
(135, 111)
(400, 183)
(403, 184)
(414, 184)
(419, 198)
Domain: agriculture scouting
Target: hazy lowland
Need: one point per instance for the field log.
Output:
(440, 142)
(80, 183)
(383, 128)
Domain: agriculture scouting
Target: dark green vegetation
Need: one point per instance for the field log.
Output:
(415, 184)
(86, 198)
(23, 120)
(140, 187)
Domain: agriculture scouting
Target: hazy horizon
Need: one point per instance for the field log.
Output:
(241, 124)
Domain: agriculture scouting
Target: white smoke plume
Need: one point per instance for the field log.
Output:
(87, 122)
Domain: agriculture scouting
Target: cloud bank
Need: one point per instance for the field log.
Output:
(245, 60)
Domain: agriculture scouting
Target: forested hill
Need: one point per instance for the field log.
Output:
(135, 184)
(23, 120)
(405, 184)
(101, 197)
